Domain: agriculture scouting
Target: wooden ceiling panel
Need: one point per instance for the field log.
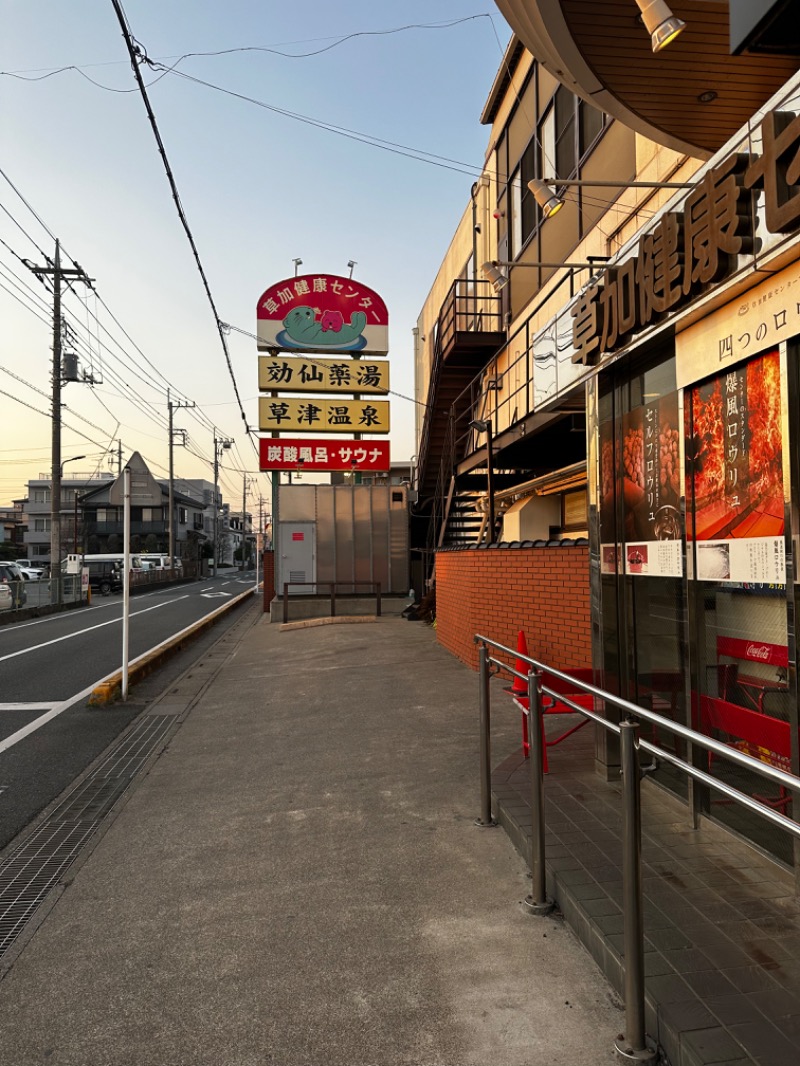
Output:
(698, 61)
(587, 43)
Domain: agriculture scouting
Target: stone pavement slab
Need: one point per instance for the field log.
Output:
(298, 881)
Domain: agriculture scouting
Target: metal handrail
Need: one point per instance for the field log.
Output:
(772, 773)
(633, 1046)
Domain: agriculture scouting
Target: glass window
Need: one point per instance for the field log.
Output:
(566, 153)
(530, 209)
(515, 222)
(591, 122)
(547, 140)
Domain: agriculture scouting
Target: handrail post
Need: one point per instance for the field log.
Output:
(485, 819)
(632, 1046)
(285, 602)
(537, 902)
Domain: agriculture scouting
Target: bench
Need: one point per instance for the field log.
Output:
(738, 710)
(751, 688)
(551, 706)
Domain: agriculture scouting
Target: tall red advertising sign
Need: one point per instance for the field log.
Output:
(319, 313)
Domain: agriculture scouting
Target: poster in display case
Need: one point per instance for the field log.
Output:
(650, 478)
(735, 467)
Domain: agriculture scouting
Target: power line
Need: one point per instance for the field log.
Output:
(135, 54)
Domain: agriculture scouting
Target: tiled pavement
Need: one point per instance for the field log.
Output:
(721, 922)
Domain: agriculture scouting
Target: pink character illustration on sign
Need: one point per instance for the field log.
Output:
(332, 320)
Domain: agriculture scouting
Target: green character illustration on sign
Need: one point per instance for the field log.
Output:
(303, 330)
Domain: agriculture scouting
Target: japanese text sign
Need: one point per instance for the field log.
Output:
(281, 373)
(322, 313)
(297, 453)
(323, 416)
(759, 319)
(688, 251)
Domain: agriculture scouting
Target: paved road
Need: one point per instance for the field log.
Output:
(44, 661)
(47, 736)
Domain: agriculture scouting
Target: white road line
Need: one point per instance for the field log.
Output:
(26, 706)
(210, 587)
(89, 629)
(58, 708)
(37, 723)
(13, 627)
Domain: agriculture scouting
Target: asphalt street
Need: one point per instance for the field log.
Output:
(44, 661)
(47, 662)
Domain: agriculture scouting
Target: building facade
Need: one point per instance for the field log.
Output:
(91, 516)
(638, 400)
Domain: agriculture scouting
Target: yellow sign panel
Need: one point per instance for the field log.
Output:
(320, 415)
(281, 373)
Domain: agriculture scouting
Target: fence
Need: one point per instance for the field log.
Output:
(333, 586)
(633, 1046)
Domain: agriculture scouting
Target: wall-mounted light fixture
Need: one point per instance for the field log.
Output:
(498, 279)
(538, 184)
(485, 426)
(660, 22)
(545, 197)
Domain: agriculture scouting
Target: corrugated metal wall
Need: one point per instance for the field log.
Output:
(362, 531)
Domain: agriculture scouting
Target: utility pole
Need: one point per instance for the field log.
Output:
(58, 274)
(220, 444)
(245, 482)
(244, 523)
(173, 406)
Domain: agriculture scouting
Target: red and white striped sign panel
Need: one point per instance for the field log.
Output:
(309, 454)
(322, 313)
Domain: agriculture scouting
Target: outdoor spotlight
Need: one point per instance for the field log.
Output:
(545, 197)
(495, 276)
(480, 425)
(660, 23)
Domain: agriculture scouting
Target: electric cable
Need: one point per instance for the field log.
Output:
(176, 196)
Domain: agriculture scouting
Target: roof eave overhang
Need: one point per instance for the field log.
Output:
(542, 26)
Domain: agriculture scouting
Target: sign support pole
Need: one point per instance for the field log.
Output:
(126, 581)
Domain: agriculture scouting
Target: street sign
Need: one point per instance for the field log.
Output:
(320, 415)
(314, 455)
(322, 313)
(280, 373)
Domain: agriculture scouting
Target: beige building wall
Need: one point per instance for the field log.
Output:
(596, 223)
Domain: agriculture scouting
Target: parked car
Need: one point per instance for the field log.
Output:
(105, 577)
(6, 596)
(158, 561)
(30, 573)
(12, 576)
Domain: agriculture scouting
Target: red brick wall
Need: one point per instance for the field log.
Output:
(497, 592)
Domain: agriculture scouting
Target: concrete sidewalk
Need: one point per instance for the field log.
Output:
(298, 880)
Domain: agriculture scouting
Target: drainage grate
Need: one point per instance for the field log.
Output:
(28, 874)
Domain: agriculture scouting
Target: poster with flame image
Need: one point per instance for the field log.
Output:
(735, 455)
(735, 471)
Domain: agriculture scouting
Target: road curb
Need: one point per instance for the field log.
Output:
(108, 690)
(344, 619)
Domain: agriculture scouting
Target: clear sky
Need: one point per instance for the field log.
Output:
(259, 188)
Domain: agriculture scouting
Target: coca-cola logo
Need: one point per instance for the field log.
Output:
(758, 651)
